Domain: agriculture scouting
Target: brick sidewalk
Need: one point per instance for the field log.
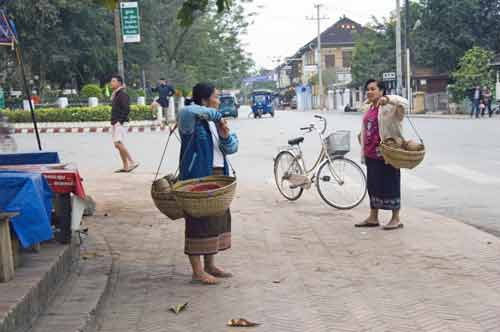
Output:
(434, 275)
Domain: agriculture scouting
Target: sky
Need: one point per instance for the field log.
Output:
(281, 28)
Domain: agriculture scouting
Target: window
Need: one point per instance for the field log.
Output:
(329, 60)
(346, 59)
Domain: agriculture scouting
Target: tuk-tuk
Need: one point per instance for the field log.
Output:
(262, 103)
(228, 106)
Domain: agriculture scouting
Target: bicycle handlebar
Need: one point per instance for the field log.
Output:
(325, 123)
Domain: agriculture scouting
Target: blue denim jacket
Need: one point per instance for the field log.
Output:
(196, 158)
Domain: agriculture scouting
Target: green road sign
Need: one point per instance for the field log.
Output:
(2, 99)
(130, 20)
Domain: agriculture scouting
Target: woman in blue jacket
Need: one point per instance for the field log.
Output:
(205, 142)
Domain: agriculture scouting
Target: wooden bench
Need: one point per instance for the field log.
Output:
(8, 248)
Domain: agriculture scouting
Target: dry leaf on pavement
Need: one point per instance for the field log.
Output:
(241, 322)
(178, 308)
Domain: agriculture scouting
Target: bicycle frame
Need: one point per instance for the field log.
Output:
(299, 157)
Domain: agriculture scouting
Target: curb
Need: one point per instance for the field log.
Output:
(79, 130)
(21, 315)
(78, 301)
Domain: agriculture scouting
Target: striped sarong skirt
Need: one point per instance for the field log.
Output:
(208, 235)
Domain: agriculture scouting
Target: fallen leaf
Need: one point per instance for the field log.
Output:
(279, 281)
(178, 308)
(88, 255)
(241, 322)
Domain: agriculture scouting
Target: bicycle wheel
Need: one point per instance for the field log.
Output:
(341, 183)
(286, 165)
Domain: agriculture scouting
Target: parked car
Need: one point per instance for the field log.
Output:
(229, 107)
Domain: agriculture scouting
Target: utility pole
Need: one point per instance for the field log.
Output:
(408, 60)
(399, 66)
(119, 42)
(318, 19)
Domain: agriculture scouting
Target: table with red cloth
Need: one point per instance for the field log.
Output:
(64, 180)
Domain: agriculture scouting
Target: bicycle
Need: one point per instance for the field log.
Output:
(340, 182)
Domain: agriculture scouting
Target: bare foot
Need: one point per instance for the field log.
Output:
(204, 278)
(219, 273)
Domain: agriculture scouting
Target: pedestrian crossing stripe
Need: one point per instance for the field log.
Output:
(416, 183)
(468, 174)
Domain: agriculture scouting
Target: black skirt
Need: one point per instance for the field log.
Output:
(384, 185)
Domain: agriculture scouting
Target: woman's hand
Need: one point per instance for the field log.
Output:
(384, 100)
(223, 128)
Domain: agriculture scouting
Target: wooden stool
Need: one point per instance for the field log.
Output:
(6, 255)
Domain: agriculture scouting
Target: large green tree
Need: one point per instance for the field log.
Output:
(188, 12)
(473, 69)
(68, 41)
(374, 52)
(63, 41)
(449, 28)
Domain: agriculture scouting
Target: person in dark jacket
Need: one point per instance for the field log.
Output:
(475, 96)
(165, 91)
(120, 109)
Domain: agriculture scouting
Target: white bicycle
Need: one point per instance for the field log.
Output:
(340, 182)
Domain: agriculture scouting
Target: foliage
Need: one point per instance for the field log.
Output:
(473, 69)
(329, 77)
(70, 43)
(373, 54)
(444, 33)
(91, 90)
(189, 11)
(64, 42)
(448, 29)
(77, 114)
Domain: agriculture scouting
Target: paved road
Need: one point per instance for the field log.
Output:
(460, 177)
(298, 266)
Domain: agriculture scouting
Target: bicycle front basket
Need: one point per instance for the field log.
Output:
(338, 143)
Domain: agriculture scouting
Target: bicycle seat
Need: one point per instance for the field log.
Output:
(296, 141)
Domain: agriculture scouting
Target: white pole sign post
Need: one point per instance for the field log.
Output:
(131, 28)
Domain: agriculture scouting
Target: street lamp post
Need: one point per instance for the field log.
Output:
(399, 66)
(408, 60)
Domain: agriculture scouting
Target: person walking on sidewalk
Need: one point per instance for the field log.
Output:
(120, 109)
(165, 91)
(205, 142)
(475, 97)
(381, 121)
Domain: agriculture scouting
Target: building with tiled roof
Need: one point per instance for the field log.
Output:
(337, 45)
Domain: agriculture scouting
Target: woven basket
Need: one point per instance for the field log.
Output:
(164, 198)
(212, 203)
(400, 158)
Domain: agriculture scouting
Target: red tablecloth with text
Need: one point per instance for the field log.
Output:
(63, 179)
